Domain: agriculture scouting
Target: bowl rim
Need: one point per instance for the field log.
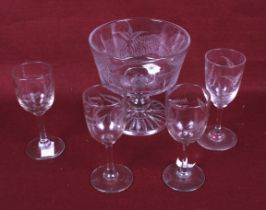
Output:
(242, 55)
(93, 32)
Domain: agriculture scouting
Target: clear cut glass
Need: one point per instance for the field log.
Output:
(34, 88)
(224, 69)
(187, 111)
(140, 57)
(105, 114)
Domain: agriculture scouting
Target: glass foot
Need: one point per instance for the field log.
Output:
(45, 152)
(224, 141)
(183, 183)
(145, 121)
(121, 183)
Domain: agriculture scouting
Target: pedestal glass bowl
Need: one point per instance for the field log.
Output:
(142, 57)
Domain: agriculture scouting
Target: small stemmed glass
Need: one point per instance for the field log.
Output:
(223, 73)
(105, 114)
(187, 111)
(34, 87)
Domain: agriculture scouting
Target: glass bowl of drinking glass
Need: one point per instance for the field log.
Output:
(140, 58)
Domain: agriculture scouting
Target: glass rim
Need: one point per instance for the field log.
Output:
(244, 59)
(16, 68)
(102, 86)
(92, 33)
(204, 91)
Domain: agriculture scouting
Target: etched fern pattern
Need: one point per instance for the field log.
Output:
(224, 84)
(130, 43)
(104, 116)
(96, 109)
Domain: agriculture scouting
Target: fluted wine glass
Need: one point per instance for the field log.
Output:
(187, 111)
(223, 73)
(34, 88)
(105, 114)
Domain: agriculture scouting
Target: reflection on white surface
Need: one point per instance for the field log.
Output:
(184, 163)
(100, 125)
(48, 151)
(152, 68)
(112, 125)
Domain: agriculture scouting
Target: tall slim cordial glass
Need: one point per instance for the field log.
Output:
(223, 74)
(34, 87)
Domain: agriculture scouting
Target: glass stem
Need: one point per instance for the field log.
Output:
(43, 136)
(139, 102)
(110, 172)
(183, 168)
(218, 125)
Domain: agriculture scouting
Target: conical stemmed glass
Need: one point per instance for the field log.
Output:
(34, 87)
(223, 73)
(105, 114)
(187, 111)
